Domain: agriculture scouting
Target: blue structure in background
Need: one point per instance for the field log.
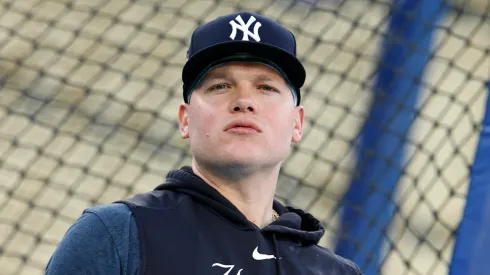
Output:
(472, 248)
(368, 205)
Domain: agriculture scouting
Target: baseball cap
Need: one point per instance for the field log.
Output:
(242, 36)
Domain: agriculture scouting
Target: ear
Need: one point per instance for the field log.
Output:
(184, 120)
(298, 124)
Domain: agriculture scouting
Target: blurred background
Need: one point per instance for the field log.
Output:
(395, 97)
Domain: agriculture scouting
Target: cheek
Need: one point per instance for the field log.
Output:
(202, 122)
(281, 126)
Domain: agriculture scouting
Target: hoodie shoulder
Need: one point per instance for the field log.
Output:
(346, 266)
(349, 264)
(156, 199)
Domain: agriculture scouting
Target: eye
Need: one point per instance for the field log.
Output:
(268, 88)
(217, 87)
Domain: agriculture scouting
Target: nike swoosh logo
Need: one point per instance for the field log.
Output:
(259, 257)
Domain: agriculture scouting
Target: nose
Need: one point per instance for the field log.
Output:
(244, 106)
(243, 103)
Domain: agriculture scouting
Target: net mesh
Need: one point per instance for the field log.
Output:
(89, 99)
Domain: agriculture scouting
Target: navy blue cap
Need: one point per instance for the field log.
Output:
(242, 36)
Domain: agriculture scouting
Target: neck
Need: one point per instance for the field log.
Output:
(252, 192)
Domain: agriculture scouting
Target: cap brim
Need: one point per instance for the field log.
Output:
(287, 62)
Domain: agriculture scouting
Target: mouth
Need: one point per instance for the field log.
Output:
(242, 127)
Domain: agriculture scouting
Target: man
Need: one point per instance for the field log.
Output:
(241, 112)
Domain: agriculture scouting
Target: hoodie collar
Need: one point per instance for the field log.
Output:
(293, 224)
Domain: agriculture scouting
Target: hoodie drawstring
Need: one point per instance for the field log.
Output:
(278, 257)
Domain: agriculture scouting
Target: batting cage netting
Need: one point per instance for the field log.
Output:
(395, 100)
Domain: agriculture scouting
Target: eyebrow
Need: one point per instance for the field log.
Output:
(219, 74)
(215, 75)
(212, 75)
(266, 78)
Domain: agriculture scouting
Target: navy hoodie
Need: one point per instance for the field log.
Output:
(187, 227)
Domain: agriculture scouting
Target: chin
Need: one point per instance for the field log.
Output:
(250, 158)
(242, 157)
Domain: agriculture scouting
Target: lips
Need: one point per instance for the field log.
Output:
(242, 126)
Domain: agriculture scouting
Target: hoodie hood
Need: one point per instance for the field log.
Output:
(293, 224)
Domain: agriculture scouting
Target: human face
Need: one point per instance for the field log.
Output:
(241, 114)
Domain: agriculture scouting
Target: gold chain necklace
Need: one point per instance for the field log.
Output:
(275, 216)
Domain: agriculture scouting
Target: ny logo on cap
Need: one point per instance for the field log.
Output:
(244, 28)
